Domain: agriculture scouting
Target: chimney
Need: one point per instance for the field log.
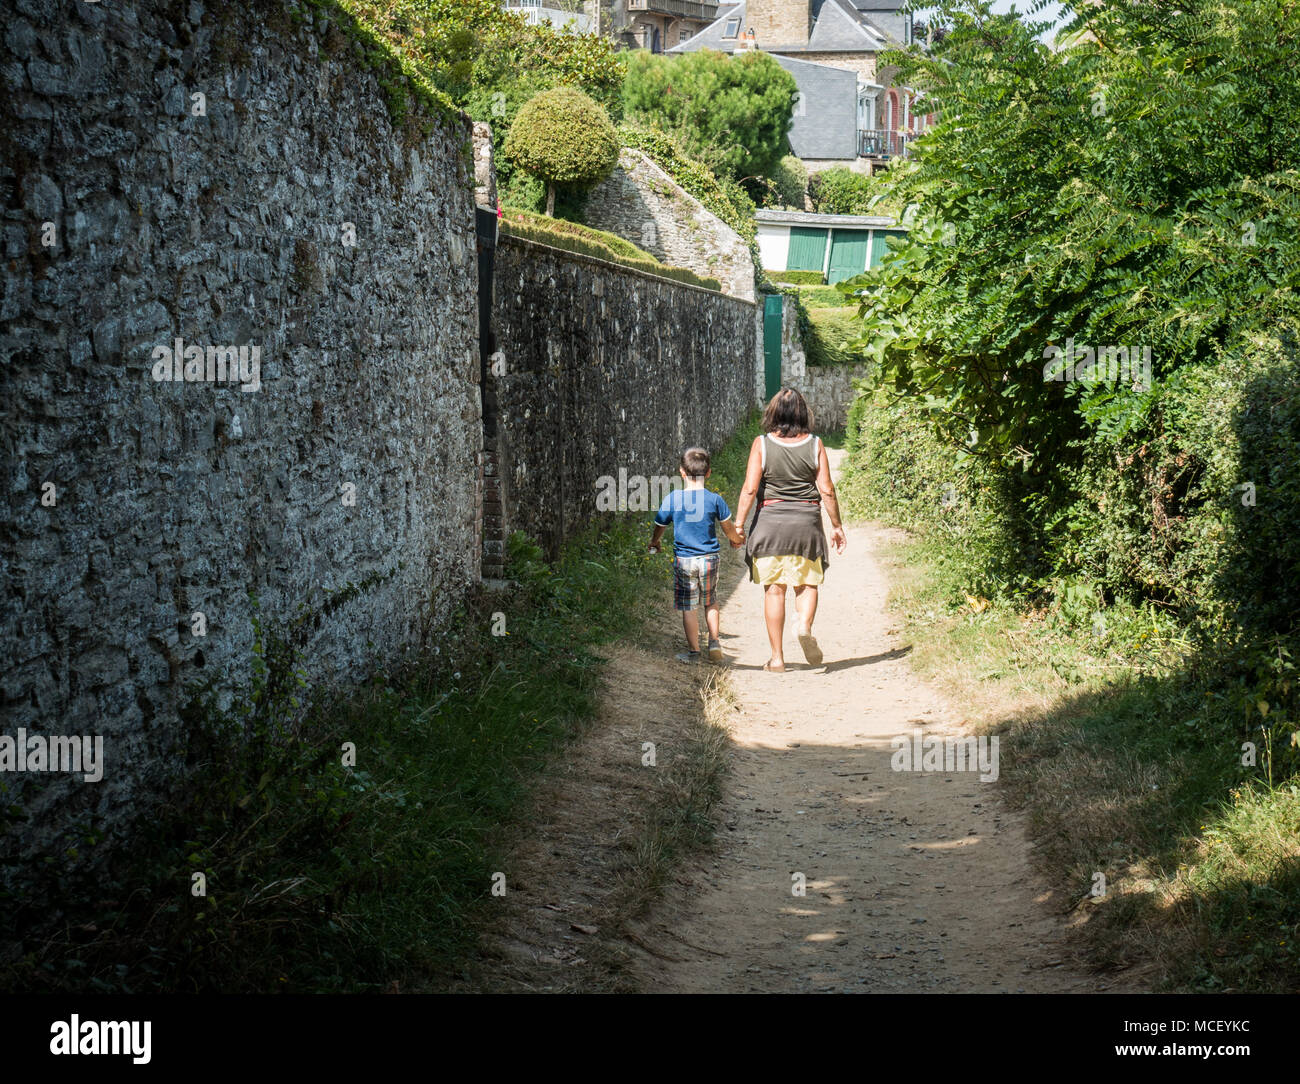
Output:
(779, 22)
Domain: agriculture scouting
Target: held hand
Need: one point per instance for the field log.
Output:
(838, 539)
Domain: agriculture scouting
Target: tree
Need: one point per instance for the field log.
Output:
(563, 137)
(1106, 229)
(790, 180)
(732, 113)
(1126, 188)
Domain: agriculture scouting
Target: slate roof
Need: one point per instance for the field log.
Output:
(826, 124)
(807, 218)
(840, 28)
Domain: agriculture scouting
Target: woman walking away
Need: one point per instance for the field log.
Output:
(789, 478)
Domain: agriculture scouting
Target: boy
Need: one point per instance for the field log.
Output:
(695, 514)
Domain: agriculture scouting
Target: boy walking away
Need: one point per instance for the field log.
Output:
(695, 514)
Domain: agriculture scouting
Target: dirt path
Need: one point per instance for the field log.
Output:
(915, 881)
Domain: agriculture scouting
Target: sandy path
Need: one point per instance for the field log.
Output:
(915, 881)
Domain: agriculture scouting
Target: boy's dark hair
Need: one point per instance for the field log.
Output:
(695, 462)
(787, 414)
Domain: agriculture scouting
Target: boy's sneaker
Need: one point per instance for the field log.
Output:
(688, 656)
(715, 651)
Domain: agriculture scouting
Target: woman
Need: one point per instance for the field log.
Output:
(789, 477)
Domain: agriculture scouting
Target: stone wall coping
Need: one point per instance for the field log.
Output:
(582, 257)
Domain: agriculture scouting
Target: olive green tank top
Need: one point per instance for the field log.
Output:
(790, 470)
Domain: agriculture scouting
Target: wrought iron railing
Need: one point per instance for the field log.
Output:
(881, 143)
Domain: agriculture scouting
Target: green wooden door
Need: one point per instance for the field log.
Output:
(807, 249)
(848, 254)
(772, 345)
(879, 246)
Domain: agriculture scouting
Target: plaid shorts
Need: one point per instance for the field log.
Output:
(693, 578)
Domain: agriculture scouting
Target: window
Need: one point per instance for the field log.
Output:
(731, 30)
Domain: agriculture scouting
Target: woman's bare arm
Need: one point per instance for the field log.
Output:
(753, 478)
(827, 489)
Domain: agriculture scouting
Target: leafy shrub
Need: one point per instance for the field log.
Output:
(900, 472)
(790, 180)
(841, 191)
(491, 60)
(1127, 483)
(564, 138)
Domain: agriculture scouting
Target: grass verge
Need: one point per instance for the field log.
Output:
(828, 325)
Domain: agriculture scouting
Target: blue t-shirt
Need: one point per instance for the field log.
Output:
(694, 514)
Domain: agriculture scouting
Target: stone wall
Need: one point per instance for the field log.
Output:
(643, 204)
(606, 370)
(227, 176)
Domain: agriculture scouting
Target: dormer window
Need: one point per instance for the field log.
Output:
(731, 30)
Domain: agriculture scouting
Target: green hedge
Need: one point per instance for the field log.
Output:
(574, 237)
(798, 278)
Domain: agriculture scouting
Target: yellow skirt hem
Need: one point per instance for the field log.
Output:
(786, 569)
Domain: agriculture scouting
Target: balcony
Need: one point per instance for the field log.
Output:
(681, 8)
(881, 143)
(559, 13)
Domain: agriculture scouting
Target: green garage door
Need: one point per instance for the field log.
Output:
(807, 249)
(848, 254)
(878, 245)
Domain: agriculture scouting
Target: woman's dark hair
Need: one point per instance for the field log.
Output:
(787, 415)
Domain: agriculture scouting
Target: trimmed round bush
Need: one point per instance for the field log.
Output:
(565, 138)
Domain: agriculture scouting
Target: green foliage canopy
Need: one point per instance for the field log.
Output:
(790, 181)
(1136, 187)
(732, 113)
(564, 138)
(490, 60)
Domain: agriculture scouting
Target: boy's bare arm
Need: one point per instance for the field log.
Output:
(733, 535)
(656, 536)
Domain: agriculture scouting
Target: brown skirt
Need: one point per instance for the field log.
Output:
(787, 529)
